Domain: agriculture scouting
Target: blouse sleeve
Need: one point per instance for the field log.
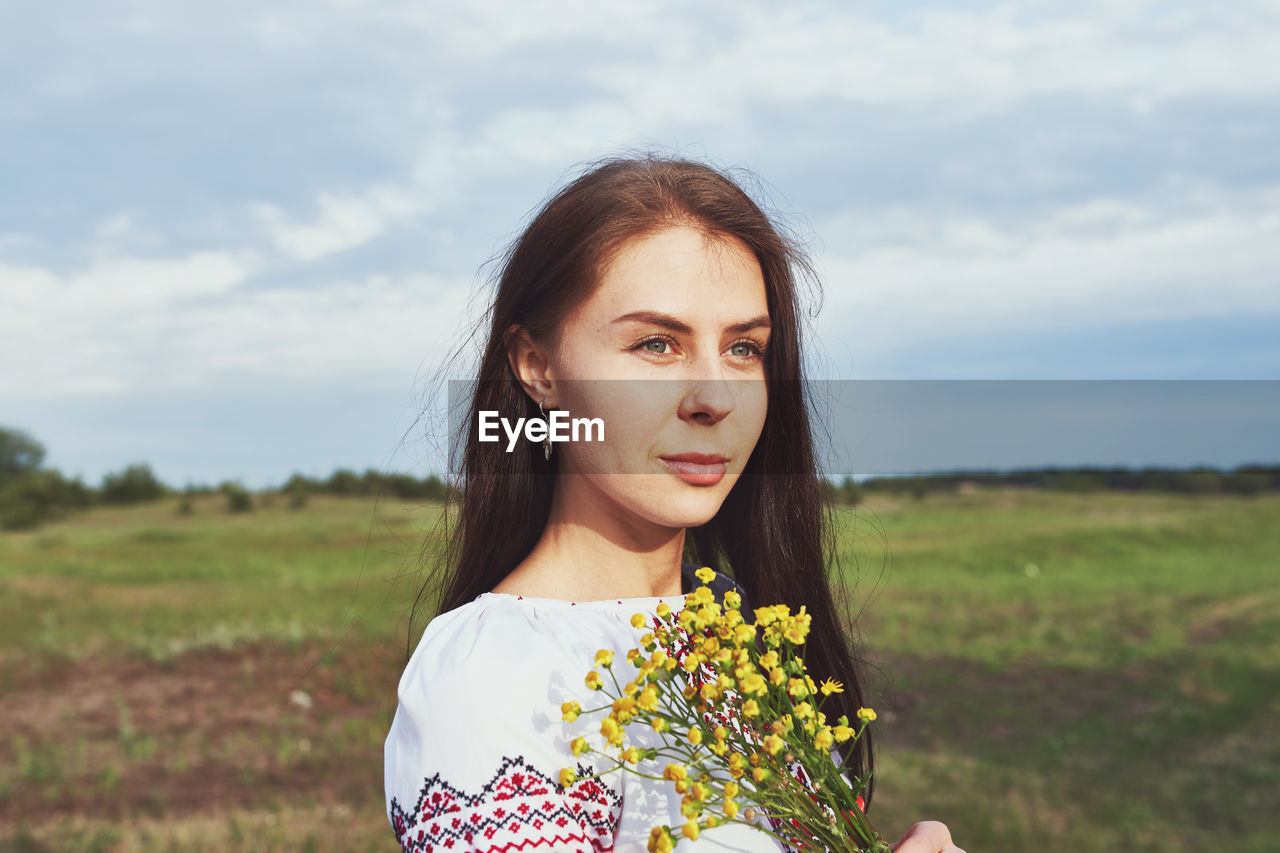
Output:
(474, 753)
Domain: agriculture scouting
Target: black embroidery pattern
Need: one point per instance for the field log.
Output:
(519, 808)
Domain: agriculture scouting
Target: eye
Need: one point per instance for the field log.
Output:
(747, 348)
(656, 345)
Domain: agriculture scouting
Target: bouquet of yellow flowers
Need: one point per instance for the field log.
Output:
(740, 722)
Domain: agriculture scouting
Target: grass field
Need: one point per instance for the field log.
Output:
(1053, 672)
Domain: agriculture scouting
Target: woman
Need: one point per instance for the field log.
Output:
(654, 295)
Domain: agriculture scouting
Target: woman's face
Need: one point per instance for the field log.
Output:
(667, 351)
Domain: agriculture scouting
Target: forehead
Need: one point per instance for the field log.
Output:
(681, 270)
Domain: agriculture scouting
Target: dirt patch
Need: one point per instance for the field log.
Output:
(204, 732)
(1009, 706)
(1234, 614)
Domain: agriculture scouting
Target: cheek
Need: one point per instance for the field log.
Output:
(633, 416)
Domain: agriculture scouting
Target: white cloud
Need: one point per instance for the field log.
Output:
(141, 324)
(343, 222)
(442, 98)
(920, 279)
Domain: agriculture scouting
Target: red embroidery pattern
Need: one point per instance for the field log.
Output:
(518, 809)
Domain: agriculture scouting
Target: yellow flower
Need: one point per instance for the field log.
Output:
(744, 634)
(766, 616)
(774, 744)
(829, 686)
(632, 656)
(730, 790)
(730, 809)
(674, 772)
(604, 657)
(699, 792)
(570, 711)
(660, 840)
(732, 600)
(796, 628)
(695, 736)
(612, 731)
(664, 610)
(648, 700)
(804, 711)
(624, 708)
(631, 755)
(796, 687)
(721, 733)
(567, 777)
(690, 830)
(823, 739)
(769, 660)
(705, 574)
(735, 765)
(777, 676)
(593, 680)
(579, 745)
(750, 708)
(866, 714)
(754, 684)
(638, 620)
(843, 733)
(759, 774)
(658, 724)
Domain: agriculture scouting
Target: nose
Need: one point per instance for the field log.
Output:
(707, 400)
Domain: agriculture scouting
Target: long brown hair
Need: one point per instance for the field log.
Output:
(774, 530)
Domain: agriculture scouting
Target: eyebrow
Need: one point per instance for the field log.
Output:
(657, 318)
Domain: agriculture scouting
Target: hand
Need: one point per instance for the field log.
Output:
(927, 836)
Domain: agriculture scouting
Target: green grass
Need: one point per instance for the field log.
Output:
(1053, 671)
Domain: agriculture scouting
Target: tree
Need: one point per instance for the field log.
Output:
(19, 454)
(135, 484)
(40, 496)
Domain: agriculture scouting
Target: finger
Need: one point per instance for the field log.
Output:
(927, 836)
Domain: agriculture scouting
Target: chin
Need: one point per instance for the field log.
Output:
(691, 510)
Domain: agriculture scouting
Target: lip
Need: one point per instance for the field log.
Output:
(699, 469)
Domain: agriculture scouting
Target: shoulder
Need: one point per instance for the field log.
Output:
(491, 646)
(478, 736)
(486, 682)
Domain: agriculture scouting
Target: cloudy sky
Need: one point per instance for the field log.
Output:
(237, 238)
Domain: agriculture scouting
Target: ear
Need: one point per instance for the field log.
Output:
(530, 365)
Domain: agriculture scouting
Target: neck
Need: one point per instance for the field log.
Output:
(593, 550)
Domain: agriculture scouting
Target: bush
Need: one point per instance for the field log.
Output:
(185, 507)
(343, 482)
(40, 496)
(238, 498)
(1248, 483)
(135, 484)
(297, 500)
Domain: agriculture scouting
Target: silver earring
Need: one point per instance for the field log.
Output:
(546, 442)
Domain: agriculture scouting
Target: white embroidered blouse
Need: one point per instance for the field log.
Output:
(473, 756)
